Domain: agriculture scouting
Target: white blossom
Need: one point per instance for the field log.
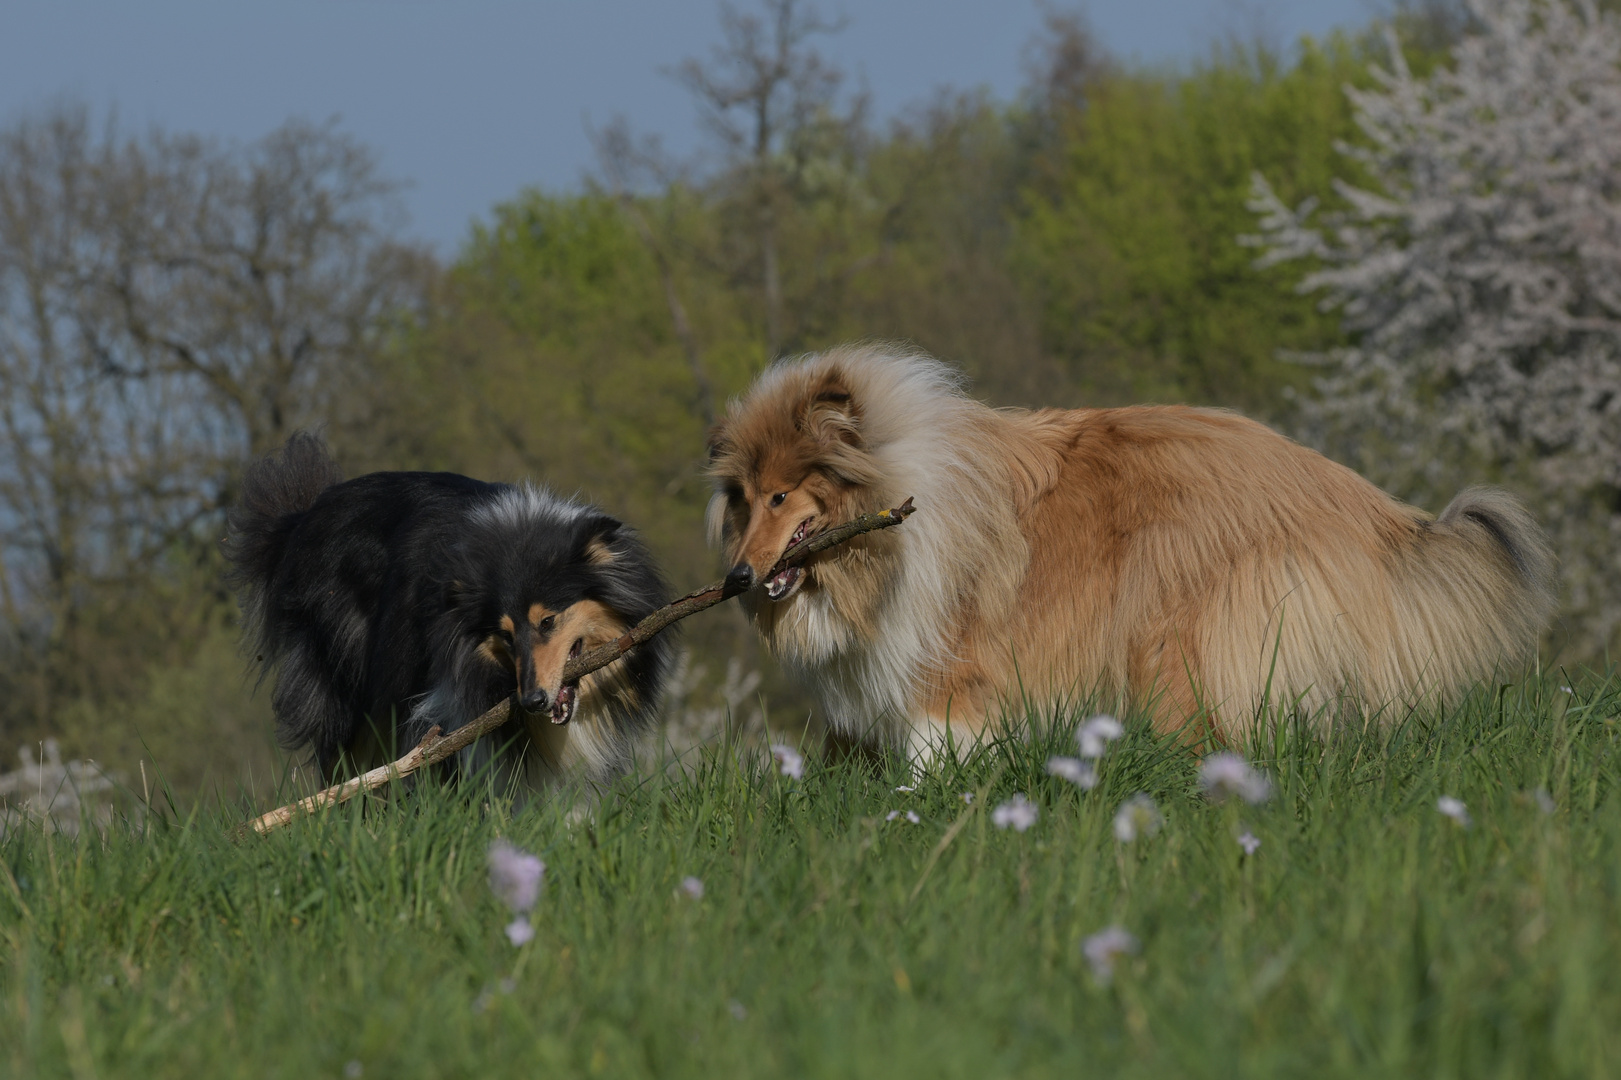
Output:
(1226, 774)
(1017, 813)
(519, 932)
(1137, 816)
(1096, 734)
(693, 887)
(1078, 772)
(789, 760)
(1249, 842)
(909, 815)
(1103, 947)
(1479, 274)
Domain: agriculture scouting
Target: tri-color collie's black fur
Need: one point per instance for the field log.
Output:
(400, 600)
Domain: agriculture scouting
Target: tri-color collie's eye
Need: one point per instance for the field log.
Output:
(547, 624)
(776, 500)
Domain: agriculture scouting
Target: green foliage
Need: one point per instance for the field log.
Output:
(1133, 246)
(1368, 935)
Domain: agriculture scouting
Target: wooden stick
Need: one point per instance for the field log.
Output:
(436, 747)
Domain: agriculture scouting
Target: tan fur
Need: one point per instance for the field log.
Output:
(557, 748)
(1190, 561)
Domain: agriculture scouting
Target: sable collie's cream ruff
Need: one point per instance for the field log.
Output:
(1189, 562)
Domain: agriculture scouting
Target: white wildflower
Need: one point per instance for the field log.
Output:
(1249, 842)
(1454, 809)
(905, 789)
(968, 797)
(1096, 734)
(519, 932)
(1225, 774)
(909, 815)
(791, 761)
(693, 887)
(1103, 947)
(1017, 813)
(1137, 816)
(1545, 801)
(1078, 772)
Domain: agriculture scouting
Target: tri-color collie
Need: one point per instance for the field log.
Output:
(401, 600)
(1186, 562)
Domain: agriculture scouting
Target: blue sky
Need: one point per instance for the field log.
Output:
(473, 100)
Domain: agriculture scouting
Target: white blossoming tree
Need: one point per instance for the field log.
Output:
(1477, 264)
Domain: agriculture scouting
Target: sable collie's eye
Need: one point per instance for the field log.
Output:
(776, 500)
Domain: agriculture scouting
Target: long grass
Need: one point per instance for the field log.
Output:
(1369, 935)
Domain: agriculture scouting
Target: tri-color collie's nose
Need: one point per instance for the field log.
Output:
(741, 579)
(536, 701)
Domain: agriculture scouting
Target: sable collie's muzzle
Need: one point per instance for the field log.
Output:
(740, 579)
(782, 584)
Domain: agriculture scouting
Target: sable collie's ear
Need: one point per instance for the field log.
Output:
(830, 415)
(717, 442)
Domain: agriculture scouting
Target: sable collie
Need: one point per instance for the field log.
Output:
(401, 600)
(1187, 562)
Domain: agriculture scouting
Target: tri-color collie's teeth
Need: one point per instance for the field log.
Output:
(563, 710)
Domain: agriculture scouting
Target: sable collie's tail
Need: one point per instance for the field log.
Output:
(275, 491)
(1477, 588)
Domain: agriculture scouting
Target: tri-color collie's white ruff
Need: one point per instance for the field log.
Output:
(1186, 562)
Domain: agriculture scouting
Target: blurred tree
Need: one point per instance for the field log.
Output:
(1130, 248)
(167, 308)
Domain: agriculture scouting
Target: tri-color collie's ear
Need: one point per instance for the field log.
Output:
(830, 414)
(602, 545)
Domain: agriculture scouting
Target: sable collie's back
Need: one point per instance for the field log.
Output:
(1190, 560)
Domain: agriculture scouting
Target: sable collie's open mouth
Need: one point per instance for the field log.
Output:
(569, 694)
(787, 582)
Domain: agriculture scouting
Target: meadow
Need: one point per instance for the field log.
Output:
(1368, 934)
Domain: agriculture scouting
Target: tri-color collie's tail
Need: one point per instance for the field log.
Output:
(275, 491)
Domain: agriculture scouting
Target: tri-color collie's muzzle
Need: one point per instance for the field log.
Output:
(537, 646)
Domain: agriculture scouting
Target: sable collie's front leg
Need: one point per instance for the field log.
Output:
(932, 738)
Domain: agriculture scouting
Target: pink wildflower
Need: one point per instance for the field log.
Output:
(1078, 772)
(1017, 813)
(791, 761)
(1225, 774)
(1096, 734)
(1102, 948)
(515, 876)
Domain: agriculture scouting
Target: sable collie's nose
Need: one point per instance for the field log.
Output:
(535, 701)
(741, 579)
